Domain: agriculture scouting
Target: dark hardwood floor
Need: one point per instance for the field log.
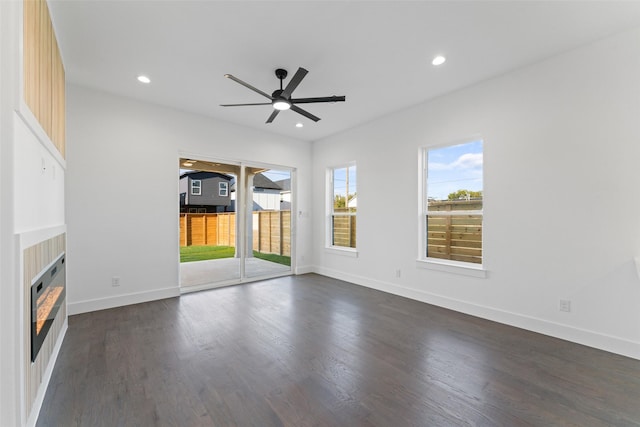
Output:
(314, 351)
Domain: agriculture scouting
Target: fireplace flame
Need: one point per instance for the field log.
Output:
(46, 302)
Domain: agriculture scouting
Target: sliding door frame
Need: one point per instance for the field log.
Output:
(244, 203)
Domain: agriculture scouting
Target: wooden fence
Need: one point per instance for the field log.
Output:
(455, 237)
(344, 231)
(271, 230)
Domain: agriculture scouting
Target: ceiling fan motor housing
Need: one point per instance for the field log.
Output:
(281, 73)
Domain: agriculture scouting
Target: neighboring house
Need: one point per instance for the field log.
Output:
(285, 194)
(266, 194)
(205, 192)
(353, 202)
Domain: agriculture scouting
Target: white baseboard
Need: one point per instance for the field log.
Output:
(46, 377)
(121, 300)
(304, 269)
(569, 333)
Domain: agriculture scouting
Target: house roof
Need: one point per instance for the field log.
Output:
(260, 181)
(285, 184)
(377, 54)
(204, 175)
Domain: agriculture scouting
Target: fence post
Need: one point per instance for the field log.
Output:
(280, 219)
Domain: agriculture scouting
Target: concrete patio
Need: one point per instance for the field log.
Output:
(226, 270)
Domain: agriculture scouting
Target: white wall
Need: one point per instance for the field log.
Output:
(39, 182)
(562, 212)
(32, 201)
(122, 192)
(10, 302)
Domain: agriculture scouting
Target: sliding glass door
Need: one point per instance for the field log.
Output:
(235, 223)
(269, 223)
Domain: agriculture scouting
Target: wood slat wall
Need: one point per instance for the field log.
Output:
(43, 72)
(35, 259)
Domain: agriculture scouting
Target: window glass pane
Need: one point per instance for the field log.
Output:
(455, 237)
(453, 202)
(222, 189)
(344, 207)
(344, 189)
(195, 187)
(344, 230)
(454, 173)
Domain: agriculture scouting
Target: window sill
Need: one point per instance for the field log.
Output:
(454, 267)
(338, 250)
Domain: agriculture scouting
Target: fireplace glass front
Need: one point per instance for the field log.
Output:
(47, 295)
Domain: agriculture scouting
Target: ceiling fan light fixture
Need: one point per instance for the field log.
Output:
(281, 104)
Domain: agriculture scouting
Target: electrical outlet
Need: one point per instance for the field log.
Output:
(115, 281)
(565, 305)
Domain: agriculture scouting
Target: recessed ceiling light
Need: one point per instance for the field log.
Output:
(144, 79)
(438, 60)
(299, 125)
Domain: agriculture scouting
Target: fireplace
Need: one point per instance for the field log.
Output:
(47, 295)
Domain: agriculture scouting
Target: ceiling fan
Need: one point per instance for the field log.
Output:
(281, 98)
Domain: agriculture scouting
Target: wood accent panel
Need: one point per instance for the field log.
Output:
(35, 259)
(43, 72)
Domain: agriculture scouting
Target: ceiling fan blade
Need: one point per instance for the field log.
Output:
(294, 82)
(272, 116)
(244, 105)
(320, 99)
(248, 86)
(304, 113)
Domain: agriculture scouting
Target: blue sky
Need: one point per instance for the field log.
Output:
(340, 180)
(277, 175)
(454, 168)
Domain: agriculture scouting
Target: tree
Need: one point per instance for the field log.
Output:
(465, 194)
(339, 201)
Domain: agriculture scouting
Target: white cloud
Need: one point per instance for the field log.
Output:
(465, 161)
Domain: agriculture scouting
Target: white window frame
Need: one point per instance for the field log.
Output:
(330, 246)
(194, 187)
(438, 264)
(223, 189)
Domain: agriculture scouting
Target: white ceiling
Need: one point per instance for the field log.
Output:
(378, 54)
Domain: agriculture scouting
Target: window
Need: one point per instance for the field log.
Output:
(452, 203)
(223, 189)
(196, 187)
(343, 203)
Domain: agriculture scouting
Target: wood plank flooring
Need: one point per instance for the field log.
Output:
(314, 351)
